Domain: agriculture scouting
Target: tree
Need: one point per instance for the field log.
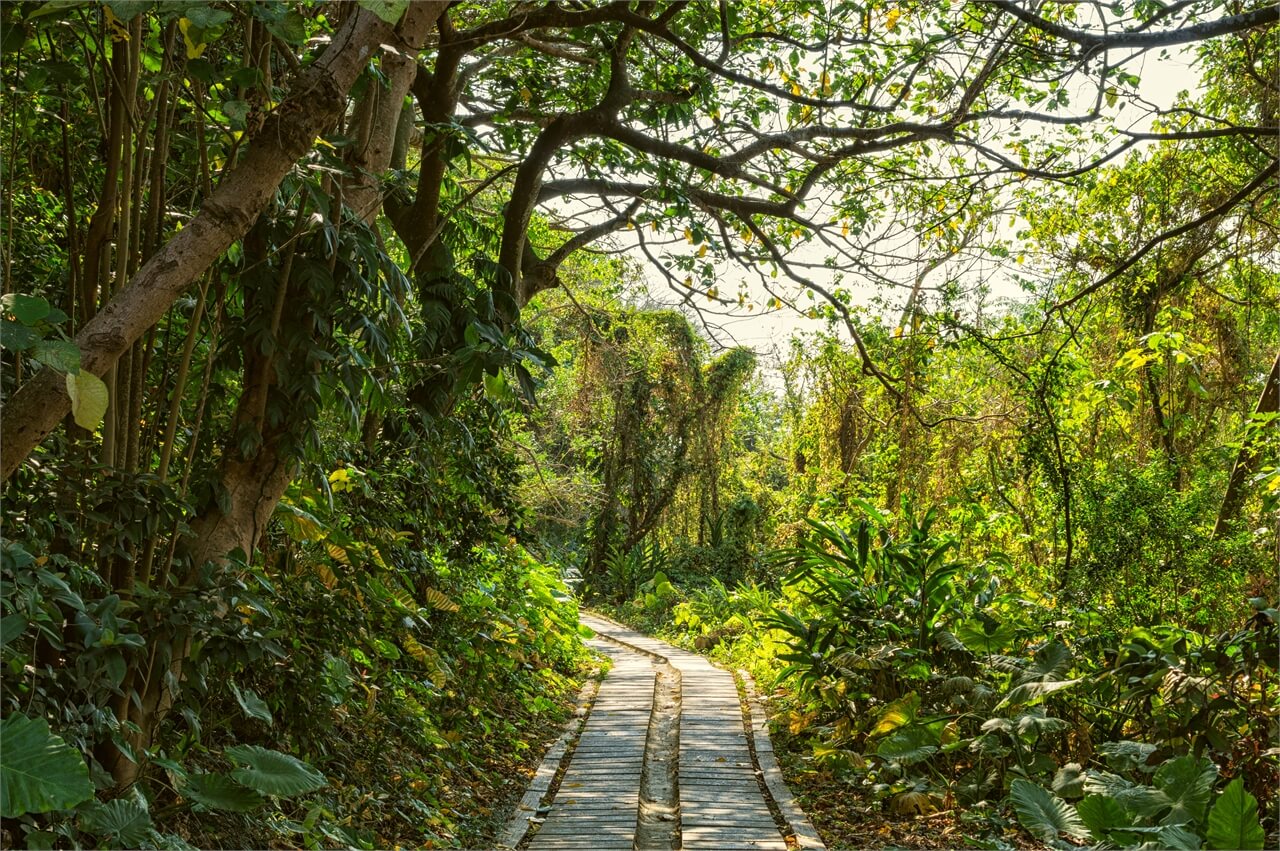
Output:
(709, 133)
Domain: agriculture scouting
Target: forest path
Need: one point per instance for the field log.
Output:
(663, 760)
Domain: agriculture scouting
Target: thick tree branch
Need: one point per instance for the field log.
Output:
(1266, 15)
(1267, 175)
(316, 100)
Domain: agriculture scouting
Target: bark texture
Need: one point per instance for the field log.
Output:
(1249, 457)
(317, 98)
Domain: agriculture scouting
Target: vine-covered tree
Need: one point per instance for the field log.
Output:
(278, 213)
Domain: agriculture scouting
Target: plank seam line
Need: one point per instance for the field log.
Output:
(552, 767)
(769, 775)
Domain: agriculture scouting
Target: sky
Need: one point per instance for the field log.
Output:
(767, 332)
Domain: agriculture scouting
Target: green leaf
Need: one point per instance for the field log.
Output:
(88, 399)
(219, 792)
(1175, 837)
(389, 10)
(1028, 692)
(27, 309)
(272, 772)
(908, 745)
(1044, 814)
(206, 17)
(1102, 813)
(291, 28)
(1187, 783)
(976, 636)
(15, 337)
(1069, 781)
(127, 10)
(253, 706)
(236, 111)
(60, 354)
(39, 772)
(11, 626)
(1233, 821)
(54, 6)
(1126, 755)
(123, 823)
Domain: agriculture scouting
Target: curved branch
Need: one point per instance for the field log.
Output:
(1268, 14)
(1261, 179)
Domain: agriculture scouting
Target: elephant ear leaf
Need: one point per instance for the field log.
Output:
(272, 772)
(1187, 783)
(217, 792)
(1233, 821)
(122, 823)
(39, 772)
(1044, 814)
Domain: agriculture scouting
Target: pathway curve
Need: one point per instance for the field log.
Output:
(659, 705)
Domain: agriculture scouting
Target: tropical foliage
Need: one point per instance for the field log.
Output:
(345, 347)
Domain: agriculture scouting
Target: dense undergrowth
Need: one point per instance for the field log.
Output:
(288, 547)
(377, 678)
(922, 690)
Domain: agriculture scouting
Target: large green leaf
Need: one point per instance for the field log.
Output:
(899, 713)
(39, 772)
(123, 823)
(1175, 837)
(253, 706)
(1187, 783)
(908, 745)
(1126, 755)
(27, 309)
(219, 792)
(1044, 814)
(1034, 690)
(1102, 813)
(1069, 781)
(62, 355)
(272, 772)
(1233, 821)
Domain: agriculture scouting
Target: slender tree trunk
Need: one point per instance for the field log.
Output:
(1248, 458)
(317, 98)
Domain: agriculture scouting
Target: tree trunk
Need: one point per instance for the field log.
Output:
(1249, 457)
(379, 113)
(317, 98)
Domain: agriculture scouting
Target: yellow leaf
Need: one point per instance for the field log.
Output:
(796, 90)
(688, 235)
(193, 49)
(327, 577)
(892, 23)
(702, 252)
(688, 281)
(416, 650)
(337, 553)
(912, 804)
(525, 95)
(89, 399)
(903, 710)
(439, 601)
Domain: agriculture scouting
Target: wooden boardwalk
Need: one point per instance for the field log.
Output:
(721, 804)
